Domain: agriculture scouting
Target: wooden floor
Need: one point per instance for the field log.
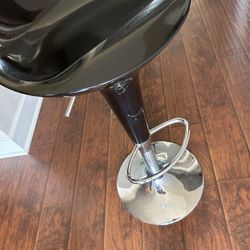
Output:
(63, 195)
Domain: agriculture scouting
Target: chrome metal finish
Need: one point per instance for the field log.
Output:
(149, 157)
(165, 200)
(168, 165)
(70, 106)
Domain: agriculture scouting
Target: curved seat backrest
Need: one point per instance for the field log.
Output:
(65, 47)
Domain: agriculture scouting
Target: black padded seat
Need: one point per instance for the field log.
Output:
(64, 47)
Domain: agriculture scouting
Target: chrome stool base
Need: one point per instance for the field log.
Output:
(169, 198)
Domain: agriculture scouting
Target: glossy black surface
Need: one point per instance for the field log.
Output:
(62, 47)
(125, 99)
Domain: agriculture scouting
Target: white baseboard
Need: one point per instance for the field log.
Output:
(18, 140)
(25, 123)
(8, 148)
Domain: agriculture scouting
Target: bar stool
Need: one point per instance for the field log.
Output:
(65, 48)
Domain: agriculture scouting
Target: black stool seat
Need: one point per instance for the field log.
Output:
(65, 47)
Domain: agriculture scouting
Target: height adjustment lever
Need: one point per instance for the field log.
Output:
(70, 105)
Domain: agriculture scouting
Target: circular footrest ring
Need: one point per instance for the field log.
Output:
(172, 163)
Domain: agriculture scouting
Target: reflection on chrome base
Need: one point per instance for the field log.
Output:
(169, 198)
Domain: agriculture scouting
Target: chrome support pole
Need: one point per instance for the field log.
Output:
(149, 157)
(161, 182)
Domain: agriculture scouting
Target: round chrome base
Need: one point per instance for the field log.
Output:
(171, 197)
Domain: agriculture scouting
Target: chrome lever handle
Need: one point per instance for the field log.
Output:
(70, 106)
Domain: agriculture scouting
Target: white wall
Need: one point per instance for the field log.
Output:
(18, 117)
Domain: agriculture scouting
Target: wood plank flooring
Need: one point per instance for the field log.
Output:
(63, 195)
